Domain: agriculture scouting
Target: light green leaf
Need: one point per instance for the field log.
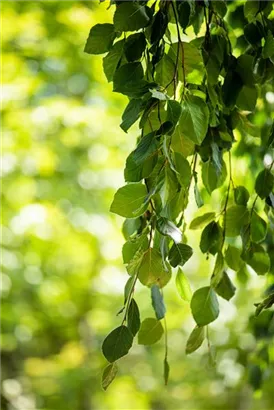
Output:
(211, 238)
(131, 16)
(233, 258)
(183, 286)
(183, 169)
(181, 144)
(117, 343)
(211, 177)
(236, 217)
(109, 375)
(166, 371)
(166, 227)
(151, 269)
(241, 195)
(130, 201)
(195, 339)
(150, 332)
(194, 119)
(100, 39)
(132, 246)
(204, 306)
(200, 221)
(258, 228)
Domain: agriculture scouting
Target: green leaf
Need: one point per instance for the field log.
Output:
(183, 169)
(152, 270)
(135, 172)
(241, 195)
(194, 119)
(213, 179)
(132, 246)
(264, 183)
(258, 228)
(174, 111)
(135, 46)
(225, 287)
(100, 39)
(181, 144)
(130, 201)
(258, 259)
(198, 198)
(158, 302)
(131, 113)
(117, 343)
(184, 11)
(231, 88)
(183, 286)
(251, 8)
(233, 258)
(134, 264)
(237, 216)
(146, 147)
(164, 71)
(166, 227)
(204, 306)
(268, 49)
(218, 270)
(211, 238)
(128, 80)
(112, 59)
(133, 318)
(109, 375)
(150, 332)
(166, 371)
(247, 98)
(128, 287)
(179, 254)
(200, 221)
(195, 340)
(131, 16)
(159, 26)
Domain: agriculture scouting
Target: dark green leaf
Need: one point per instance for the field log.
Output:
(183, 169)
(174, 111)
(184, 11)
(146, 147)
(150, 332)
(204, 306)
(159, 26)
(183, 286)
(211, 238)
(231, 88)
(128, 80)
(111, 60)
(212, 179)
(179, 254)
(225, 287)
(128, 287)
(117, 343)
(195, 339)
(264, 183)
(241, 195)
(131, 16)
(247, 98)
(131, 113)
(100, 39)
(135, 46)
(258, 259)
(158, 302)
(135, 172)
(109, 375)
(130, 201)
(133, 318)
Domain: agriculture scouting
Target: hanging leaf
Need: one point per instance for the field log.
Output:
(241, 195)
(152, 270)
(258, 228)
(168, 228)
(133, 318)
(100, 39)
(117, 343)
(211, 238)
(264, 183)
(200, 221)
(131, 113)
(179, 254)
(131, 16)
(130, 201)
(158, 302)
(112, 59)
(194, 119)
(150, 332)
(195, 339)
(109, 375)
(204, 306)
(166, 371)
(237, 216)
(183, 286)
(225, 287)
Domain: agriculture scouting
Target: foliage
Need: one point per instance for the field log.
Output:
(195, 97)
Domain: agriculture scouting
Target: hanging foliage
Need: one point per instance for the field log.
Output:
(193, 97)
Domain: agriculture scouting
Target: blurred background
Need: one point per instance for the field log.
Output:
(62, 274)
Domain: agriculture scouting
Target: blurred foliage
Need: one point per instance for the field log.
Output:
(62, 275)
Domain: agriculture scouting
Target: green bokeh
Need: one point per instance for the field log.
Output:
(63, 278)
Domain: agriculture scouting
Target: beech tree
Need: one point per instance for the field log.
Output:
(197, 75)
